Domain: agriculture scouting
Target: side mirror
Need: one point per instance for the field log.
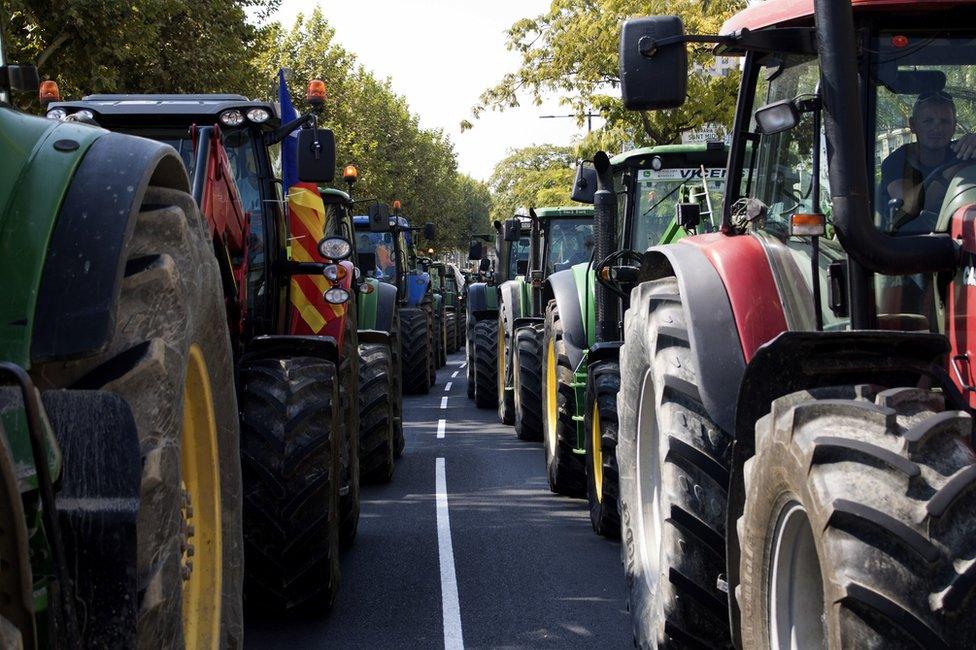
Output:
(688, 215)
(429, 231)
(476, 251)
(484, 265)
(496, 224)
(19, 78)
(777, 117)
(653, 63)
(584, 186)
(316, 155)
(367, 261)
(379, 218)
(512, 229)
(521, 267)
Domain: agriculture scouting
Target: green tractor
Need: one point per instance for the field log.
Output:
(663, 193)
(511, 248)
(120, 476)
(454, 304)
(560, 238)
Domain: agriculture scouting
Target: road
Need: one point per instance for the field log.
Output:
(526, 570)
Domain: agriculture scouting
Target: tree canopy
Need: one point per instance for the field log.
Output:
(532, 177)
(572, 51)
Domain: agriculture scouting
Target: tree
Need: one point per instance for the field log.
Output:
(532, 177)
(572, 51)
(160, 46)
(476, 202)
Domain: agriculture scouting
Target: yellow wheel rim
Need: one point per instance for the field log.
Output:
(502, 355)
(551, 410)
(201, 559)
(597, 454)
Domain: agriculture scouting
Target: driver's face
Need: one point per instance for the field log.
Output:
(933, 126)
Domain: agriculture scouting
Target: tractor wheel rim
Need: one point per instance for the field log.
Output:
(597, 453)
(795, 607)
(201, 548)
(551, 410)
(649, 468)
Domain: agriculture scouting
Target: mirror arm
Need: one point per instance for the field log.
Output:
(298, 268)
(279, 134)
(790, 40)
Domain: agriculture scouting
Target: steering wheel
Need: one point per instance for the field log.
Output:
(624, 256)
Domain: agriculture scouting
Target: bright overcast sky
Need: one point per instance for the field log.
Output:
(441, 54)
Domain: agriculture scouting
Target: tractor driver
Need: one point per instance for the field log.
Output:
(913, 179)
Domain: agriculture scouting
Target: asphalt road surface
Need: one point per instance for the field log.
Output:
(466, 548)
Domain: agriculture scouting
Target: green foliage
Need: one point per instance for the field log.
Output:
(376, 131)
(532, 177)
(571, 51)
(161, 46)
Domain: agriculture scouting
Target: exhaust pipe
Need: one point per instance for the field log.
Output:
(850, 199)
(604, 229)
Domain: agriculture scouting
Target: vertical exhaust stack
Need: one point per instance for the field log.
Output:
(604, 227)
(849, 187)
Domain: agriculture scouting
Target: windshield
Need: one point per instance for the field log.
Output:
(519, 251)
(568, 242)
(381, 245)
(659, 191)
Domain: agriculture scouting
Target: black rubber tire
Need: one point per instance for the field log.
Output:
(885, 478)
(439, 339)
(602, 386)
(528, 383)
(688, 457)
(432, 363)
(506, 374)
(170, 302)
(416, 350)
(291, 448)
(565, 468)
(486, 364)
(469, 366)
(349, 419)
(377, 439)
(399, 442)
(450, 321)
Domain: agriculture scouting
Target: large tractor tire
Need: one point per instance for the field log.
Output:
(450, 321)
(564, 468)
(674, 471)
(170, 359)
(528, 383)
(417, 352)
(377, 438)
(486, 364)
(399, 442)
(349, 420)
(292, 449)
(600, 425)
(858, 528)
(469, 366)
(505, 374)
(432, 337)
(439, 340)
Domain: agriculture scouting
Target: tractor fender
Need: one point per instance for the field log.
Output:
(74, 314)
(482, 304)
(417, 284)
(509, 306)
(711, 325)
(374, 336)
(386, 296)
(561, 286)
(798, 360)
(282, 347)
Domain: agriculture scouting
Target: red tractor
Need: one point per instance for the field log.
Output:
(796, 442)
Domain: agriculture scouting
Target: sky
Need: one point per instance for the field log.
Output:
(441, 54)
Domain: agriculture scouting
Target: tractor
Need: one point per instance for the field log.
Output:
(445, 315)
(396, 264)
(511, 249)
(560, 238)
(120, 466)
(796, 438)
(454, 304)
(664, 193)
(286, 283)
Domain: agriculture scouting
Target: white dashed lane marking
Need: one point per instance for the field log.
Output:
(447, 388)
(440, 428)
(450, 605)
(444, 402)
(455, 374)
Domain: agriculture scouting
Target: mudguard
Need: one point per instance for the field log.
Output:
(74, 314)
(374, 336)
(98, 508)
(512, 304)
(375, 310)
(417, 284)
(796, 361)
(279, 347)
(482, 302)
(561, 286)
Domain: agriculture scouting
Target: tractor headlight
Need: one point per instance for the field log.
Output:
(232, 117)
(84, 114)
(57, 114)
(258, 115)
(334, 272)
(336, 296)
(335, 248)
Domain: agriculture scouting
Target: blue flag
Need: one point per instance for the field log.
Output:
(289, 146)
